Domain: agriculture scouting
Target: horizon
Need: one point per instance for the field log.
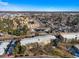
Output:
(41, 5)
(40, 11)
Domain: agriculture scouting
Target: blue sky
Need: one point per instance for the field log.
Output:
(39, 5)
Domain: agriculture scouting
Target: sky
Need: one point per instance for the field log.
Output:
(39, 5)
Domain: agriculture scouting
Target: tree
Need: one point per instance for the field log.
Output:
(16, 49)
(19, 49)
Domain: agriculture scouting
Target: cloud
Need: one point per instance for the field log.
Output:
(3, 3)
